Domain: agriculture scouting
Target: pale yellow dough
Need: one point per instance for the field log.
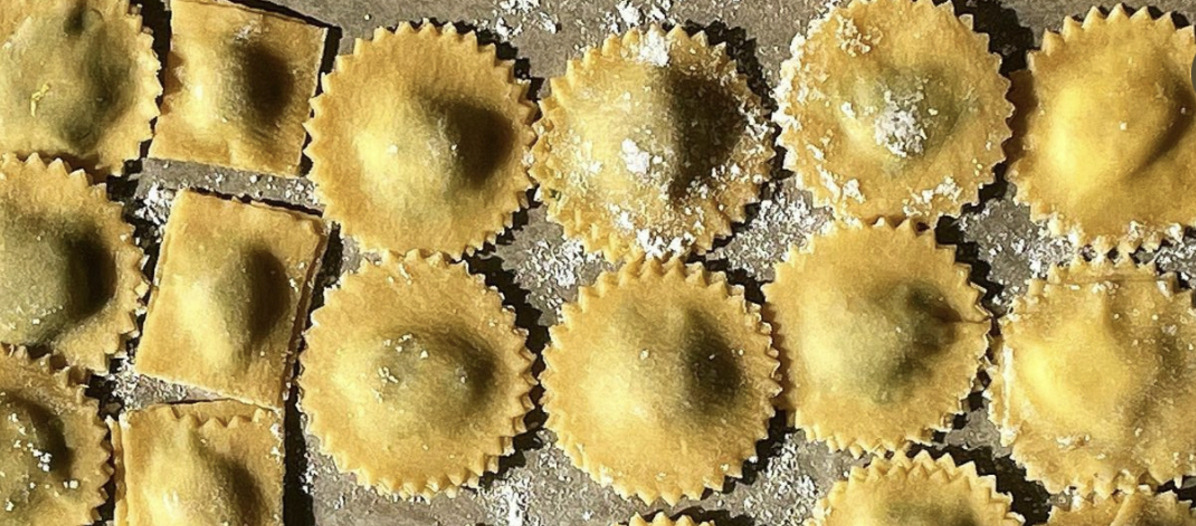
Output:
(1106, 148)
(415, 377)
(881, 333)
(237, 87)
(651, 144)
(1096, 385)
(663, 520)
(920, 491)
(419, 141)
(1136, 508)
(78, 81)
(54, 460)
(70, 275)
(894, 109)
(230, 297)
(659, 380)
(207, 463)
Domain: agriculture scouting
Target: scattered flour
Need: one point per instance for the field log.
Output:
(851, 41)
(632, 13)
(899, 126)
(637, 161)
(1017, 248)
(785, 220)
(558, 265)
(524, 14)
(658, 245)
(785, 480)
(510, 498)
(135, 391)
(1179, 258)
(549, 266)
(654, 49)
(156, 205)
(920, 202)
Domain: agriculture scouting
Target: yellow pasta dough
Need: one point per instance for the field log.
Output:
(415, 377)
(663, 520)
(207, 463)
(659, 380)
(915, 492)
(1097, 379)
(78, 81)
(419, 141)
(70, 275)
(237, 87)
(54, 460)
(230, 297)
(651, 144)
(894, 109)
(882, 336)
(1106, 150)
(1136, 508)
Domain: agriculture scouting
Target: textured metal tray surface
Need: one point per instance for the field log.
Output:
(538, 270)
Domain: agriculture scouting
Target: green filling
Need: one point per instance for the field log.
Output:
(50, 279)
(203, 488)
(259, 88)
(914, 324)
(250, 294)
(446, 376)
(67, 78)
(713, 377)
(466, 141)
(910, 514)
(35, 454)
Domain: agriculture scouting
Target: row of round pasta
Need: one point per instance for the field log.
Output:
(661, 378)
(650, 143)
(870, 339)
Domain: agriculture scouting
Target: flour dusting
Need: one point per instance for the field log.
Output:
(785, 220)
(899, 124)
(1017, 248)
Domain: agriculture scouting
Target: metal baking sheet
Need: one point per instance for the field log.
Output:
(538, 270)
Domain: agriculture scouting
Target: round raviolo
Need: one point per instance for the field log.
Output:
(1135, 508)
(1118, 327)
(651, 144)
(661, 519)
(659, 380)
(883, 335)
(415, 376)
(918, 491)
(70, 274)
(1105, 144)
(893, 109)
(419, 141)
(55, 461)
(78, 81)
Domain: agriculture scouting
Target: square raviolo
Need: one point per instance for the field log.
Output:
(230, 291)
(204, 463)
(237, 86)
